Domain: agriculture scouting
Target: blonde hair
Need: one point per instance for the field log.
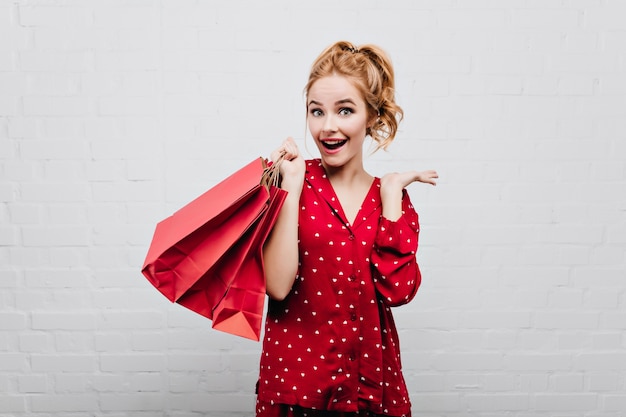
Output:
(370, 69)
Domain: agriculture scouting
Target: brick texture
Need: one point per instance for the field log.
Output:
(113, 114)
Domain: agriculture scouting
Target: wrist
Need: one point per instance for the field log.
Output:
(292, 184)
(391, 199)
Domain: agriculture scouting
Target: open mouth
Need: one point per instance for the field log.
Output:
(333, 144)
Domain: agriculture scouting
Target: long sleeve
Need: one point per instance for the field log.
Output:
(396, 272)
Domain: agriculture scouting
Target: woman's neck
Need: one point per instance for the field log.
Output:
(347, 175)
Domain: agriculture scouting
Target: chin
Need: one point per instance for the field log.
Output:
(335, 161)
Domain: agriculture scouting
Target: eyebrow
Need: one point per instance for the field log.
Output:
(342, 101)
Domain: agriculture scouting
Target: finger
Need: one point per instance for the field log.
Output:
(291, 149)
(285, 151)
(426, 177)
(432, 175)
(276, 154)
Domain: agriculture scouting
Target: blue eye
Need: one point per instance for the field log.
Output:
(345, 111)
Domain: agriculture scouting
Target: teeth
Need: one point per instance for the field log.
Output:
(334, 144)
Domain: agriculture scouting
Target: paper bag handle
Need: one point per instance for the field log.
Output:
(271, 173)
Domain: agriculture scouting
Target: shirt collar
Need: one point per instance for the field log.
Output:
(316, 177)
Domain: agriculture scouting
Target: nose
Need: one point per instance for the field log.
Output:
(330, 125)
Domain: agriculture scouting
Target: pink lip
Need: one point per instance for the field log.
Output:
(332, 151)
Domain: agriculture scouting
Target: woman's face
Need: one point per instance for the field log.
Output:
(337, 117)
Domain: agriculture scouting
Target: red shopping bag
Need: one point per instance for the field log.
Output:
(239, 276)
(241, 310)
(197, 253)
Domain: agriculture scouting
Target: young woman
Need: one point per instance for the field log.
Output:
(342, 252)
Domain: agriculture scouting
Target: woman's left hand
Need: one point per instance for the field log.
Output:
(392, 184)
(402, 179)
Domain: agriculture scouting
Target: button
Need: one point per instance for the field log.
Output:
(352, 278)
(353, 316)
(351, 237)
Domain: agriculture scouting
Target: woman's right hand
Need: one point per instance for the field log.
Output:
(292, 167)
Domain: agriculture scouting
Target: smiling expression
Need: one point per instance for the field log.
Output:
(337, 117)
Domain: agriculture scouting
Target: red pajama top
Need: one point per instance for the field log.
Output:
(332, 344)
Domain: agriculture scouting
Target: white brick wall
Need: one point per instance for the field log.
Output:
(115, 113)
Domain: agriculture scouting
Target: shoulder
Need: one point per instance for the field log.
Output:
(313, 164)
(314, 168)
